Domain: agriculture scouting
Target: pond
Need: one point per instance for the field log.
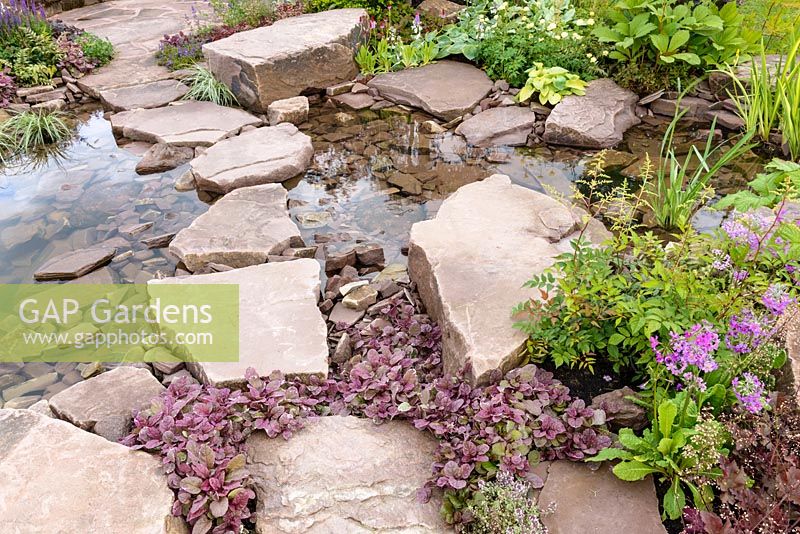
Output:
(365, 164)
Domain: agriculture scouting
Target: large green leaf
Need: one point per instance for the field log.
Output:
(674, 500)
(632, 470)
(667, 411)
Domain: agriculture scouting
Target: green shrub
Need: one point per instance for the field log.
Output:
(251, 13)
(390, 11)
(660, 34)
(97, 50)
(767, 189)
(203, 85)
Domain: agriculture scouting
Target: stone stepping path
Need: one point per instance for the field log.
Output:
(187, 123)
(446, 89)
(261, 156)
(59, 478)
(504, 126)
(242, 228)
(134, 27)
(344, 474)
(470, 261)
(311, 51)
(149, 95)
(280, 326)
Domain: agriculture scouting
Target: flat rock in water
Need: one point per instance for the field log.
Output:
(344, 475)
(184, 124)
(75, 264)
(446, 89)
(59, 478)
(148, 95)
(162, 157)
(311, 51)
(240, 229)
(280, 326)
(471, 261)
(509, 126)
(103, 404)
(583, 499)
(596, 120)
(261, 156)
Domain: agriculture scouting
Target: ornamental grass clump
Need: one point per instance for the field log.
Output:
(395, 373)
(29, 131)
(203, 85)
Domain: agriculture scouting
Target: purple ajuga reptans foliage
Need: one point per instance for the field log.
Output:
(8, 89)
(395, 373)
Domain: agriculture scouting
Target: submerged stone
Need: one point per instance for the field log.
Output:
(509, 126)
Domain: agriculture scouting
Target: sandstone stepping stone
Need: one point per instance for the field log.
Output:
(294, 110)
(508, 126)
(261, 156)
(344, 474)
(59, 478)
(75, 264)
(149, 95)
(280, 327)
(470, 262)
(184, 124)
(583, 499)
(356, 101)
(162, 157)
(311, 51)
(595, 120)
(103, 404)
(242, 228)
(446, 89)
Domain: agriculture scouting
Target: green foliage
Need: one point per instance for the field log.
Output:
(30, 56)
(204, 86)
(767, 189)
(97, 50)
(667, 450)
(770, 98)
(551, 84)
(663, 33)
(604, 302)
(680, 187)
(388, 55)
(775, 20)
(503, 506)
(26, 132)
(507, 38)
(250, 13)
(392, 11)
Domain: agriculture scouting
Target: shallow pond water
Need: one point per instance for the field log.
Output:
(374, 174)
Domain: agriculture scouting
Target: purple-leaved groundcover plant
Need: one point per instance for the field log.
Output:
(395, 373)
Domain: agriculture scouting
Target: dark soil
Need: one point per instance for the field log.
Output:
(584, 384)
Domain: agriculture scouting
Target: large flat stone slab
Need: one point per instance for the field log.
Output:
(597, 119)
(241, 229)
(58, 478)
(508, 125)
(188, 123)
(261, 156)
(584, 499)
(344, 475)
(311, 51)
(280, 326)
(104, 404)
(446, 89)
(148, 95)
(471, 261)
(75, 264)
